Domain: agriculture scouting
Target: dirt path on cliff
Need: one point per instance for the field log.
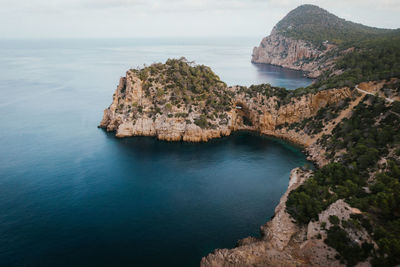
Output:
(369, 93)
(346, 113)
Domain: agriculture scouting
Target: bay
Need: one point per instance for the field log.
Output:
(72, 194)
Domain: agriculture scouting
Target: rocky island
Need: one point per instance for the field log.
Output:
(347, 210)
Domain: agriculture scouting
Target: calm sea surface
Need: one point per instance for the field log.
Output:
(74, 195)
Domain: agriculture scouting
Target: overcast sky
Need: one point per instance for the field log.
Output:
(172, 18)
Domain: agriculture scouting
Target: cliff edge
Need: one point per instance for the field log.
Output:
(311, 39)
(334, 215)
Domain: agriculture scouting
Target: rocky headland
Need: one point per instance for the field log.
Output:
(277, 49)
(151, 105)
(310, 39)
(181, 101)
(346, 211)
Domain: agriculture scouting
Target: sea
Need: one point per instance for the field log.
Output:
(74, 195)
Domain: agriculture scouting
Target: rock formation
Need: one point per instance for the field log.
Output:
(286, 52)
(311, 39)
(282, 242)
(132, 112)
(179, 101)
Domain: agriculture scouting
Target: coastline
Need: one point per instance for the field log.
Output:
(277, 232)
(306, 74)
(268, 114)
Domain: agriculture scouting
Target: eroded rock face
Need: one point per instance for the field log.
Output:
(283, 243)
(276, 49)
(121, 118)
(263, 114)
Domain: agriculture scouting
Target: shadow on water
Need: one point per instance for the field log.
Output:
(290, 79)
(73, 196)
(145, 148)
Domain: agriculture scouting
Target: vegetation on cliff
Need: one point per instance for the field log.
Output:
(316, 25)
(180, 87)
(365, 155)
(375, 59)
(349, 53)
(363, 149)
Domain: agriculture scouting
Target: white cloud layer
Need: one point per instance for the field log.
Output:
(134, 18)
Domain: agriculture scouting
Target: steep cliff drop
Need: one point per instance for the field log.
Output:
(180, 101)
(159, 101)
(310, 39)
(286, 52)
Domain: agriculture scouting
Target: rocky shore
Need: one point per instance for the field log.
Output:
(282, 242)
(286, 52)
(263, 114)
(257, 113)
(141, 108)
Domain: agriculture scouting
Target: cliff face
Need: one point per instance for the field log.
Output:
(131, 114)
(311, 39)
(148, 106)
(286, 243)
(282, 242)
(125, 121)
(290, 53)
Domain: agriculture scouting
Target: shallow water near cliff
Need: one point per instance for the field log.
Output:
(74, 195)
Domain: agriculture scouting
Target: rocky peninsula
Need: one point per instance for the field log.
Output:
(310, 39)
(169, 101)
(346, 211)
(161, 101)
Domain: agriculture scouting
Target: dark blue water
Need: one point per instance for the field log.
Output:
(71, 194)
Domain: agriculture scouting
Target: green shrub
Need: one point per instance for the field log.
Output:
(202, 122)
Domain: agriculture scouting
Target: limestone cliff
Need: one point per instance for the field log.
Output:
(156, 101)
(286, 242)
(122, 117)
(182, 101)
(311, 39)
(286, 52)
(144, 108)
(282, 242)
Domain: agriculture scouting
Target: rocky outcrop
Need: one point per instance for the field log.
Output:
(279, 50)
(282, 242)
(264, 113)
(121, 118)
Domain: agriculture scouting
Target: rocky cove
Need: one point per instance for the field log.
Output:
(258, 113)
(189, 167)
(344, 212)
(141, 108)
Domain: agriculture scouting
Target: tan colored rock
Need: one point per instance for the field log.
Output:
(281, 228)
(279, 50)
(282, 242)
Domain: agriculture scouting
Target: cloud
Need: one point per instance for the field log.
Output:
(191, 5)
(177, 5)
(342, 4)
(114, 3)
(131, 18)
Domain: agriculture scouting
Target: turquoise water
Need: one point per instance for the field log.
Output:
(74, 195)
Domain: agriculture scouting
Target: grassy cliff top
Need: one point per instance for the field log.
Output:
(181, 75)
(179, 88)
(314, 24)
(377, 58)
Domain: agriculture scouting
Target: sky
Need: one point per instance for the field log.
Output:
(172, 18)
